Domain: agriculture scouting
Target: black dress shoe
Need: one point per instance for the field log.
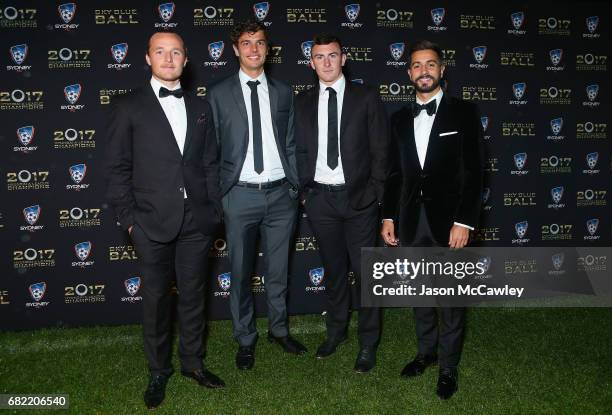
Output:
(245, 357)
(418, 365)
(156, 391)
(447, 382)
(366, 359)
(205, 378)
(288, 343)
(328, 347)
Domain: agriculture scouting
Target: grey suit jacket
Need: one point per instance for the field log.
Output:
(232, 127)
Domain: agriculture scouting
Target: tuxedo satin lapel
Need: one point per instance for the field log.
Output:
(434, 135)
(157, 119)
(410, 138)
(191, 117)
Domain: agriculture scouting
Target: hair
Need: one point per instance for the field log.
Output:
(424, 45)
(167, 32)
(326, 39)
(247, 26)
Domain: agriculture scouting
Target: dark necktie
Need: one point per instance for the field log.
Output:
(164, 92)
(256, 117)
(332, 129)
(429, 107)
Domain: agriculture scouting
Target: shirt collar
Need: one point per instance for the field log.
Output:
(263, 82)
(156, 85)
(437, 97)
(338, 86)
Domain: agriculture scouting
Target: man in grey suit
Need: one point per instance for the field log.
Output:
(253, 116)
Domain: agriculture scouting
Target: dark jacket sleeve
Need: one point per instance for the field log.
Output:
(210, 158)
(393, 184)
(378, 133)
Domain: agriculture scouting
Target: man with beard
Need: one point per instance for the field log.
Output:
(433, 196)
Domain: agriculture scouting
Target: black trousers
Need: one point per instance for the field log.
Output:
(341, 232)
(448, 334)
(186, 257)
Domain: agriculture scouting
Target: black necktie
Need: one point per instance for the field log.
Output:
(164, 92)
(256, 117)
(332, 129)
(429, 107)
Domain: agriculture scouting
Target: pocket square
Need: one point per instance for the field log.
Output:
(201, 119)
(449, 133)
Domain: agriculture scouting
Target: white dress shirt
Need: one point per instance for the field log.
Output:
(273, 167)
(176, 113)
(323, 173)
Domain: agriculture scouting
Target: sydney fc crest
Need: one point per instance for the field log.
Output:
(31, 214)
(520, 229)
(132, 286)
(37, 291)
(437, 16)
(316, 277)
(119, 52)
(557, 261)
(479, 52)
(166, 11)
(517, 19)
(555, 55)
(77, 174)
(260, 10)
(557, 194)
(519, 90)
(397, 52)
(82, 250)
(592, 91)
(352, 12)
(25, 135)
(592, 225)
(19, 53)
(592, 23)
(520, 162)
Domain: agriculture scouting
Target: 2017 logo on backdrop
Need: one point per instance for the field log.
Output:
(437, 18)
(480, 22)
(119, 53)
(521, 59)
(132, 286)
(517, 21)
(77, 173)
(591, 198)
(591, 161)
(260, 11)
(306, 15)
(554, 95)
(519, 90)
(558, 26)
(115, 16)
(67, 58)
(215, 52)
(33, 258)
(591, 92)
(591, 130)
(21, 100)
(591, 62)
(306, 49)
(555, 56)
(396, 92)
(396, 51)
(520, 164)
(32, 214)
(591, 25)
(12, 17)
(556, 127)
(556, 195)
(224, 281)
(25, 135)
(71, 138)
(37, 292)
(520, 229)
(393, 18)
(213, 16)
(19, 53)
(591, 226)
(83, 250)
(79, 217)
(479, 53)
(555, 164)
(592, 262)
(352, 13)
(166, 11)
(72, 93)
(27, 180)
(557, 232)
(316, 277)
(84, 293)
(66, 12)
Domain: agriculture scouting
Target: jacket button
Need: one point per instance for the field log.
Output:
(424, 176)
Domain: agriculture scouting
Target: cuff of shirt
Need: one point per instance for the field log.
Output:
(465, 226)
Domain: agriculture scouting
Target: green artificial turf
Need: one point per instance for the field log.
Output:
(515, 361)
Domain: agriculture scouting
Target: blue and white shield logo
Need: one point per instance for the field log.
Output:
(517, 18)
(397, 50)
(519, 90)
(556, 125)
(352, 11)
(215, 50)
(166, 11)
(555, 56)
(261, 10)
(19, 53)
(72, 93)
(132, 285)
(37, 291)
(77, 172)
(557, 193)
(520, 159)
(31, 214)
(437, 15)
(67, 11)
(557, 260)
(591, 23)
(307, 48)
(591, 159)
(521, 229)
(316, 276)
(592, 91)
(592, 225)
(486, 194)
(225, 281)
(485, 123)
(119, 52)
(82, 250)
(480, 52)
(486, 263)
(26, 134)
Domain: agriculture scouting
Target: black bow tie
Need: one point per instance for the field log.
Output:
(164, 92)
(429, 107)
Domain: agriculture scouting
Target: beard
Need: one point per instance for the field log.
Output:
(435, 83)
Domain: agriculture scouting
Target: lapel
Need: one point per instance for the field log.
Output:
(273, 95)
(434, 135)
(314, 118)
(189, 109)
(410, 138)
(347, 108)
(155, 112)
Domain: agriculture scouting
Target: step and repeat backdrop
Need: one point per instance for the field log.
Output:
(538, 71)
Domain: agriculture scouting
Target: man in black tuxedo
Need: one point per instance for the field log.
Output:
(163, 185)
(342, 143)
(253, 116)
(433, 197)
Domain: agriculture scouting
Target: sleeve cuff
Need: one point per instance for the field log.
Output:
(464, 225)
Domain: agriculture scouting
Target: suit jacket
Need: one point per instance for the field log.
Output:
(450, 182)
(364, 142)
(147, 173)
(232, 126)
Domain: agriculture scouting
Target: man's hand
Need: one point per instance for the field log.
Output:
(387, 231)
(459, 236)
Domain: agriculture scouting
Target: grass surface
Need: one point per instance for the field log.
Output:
(515, 361)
